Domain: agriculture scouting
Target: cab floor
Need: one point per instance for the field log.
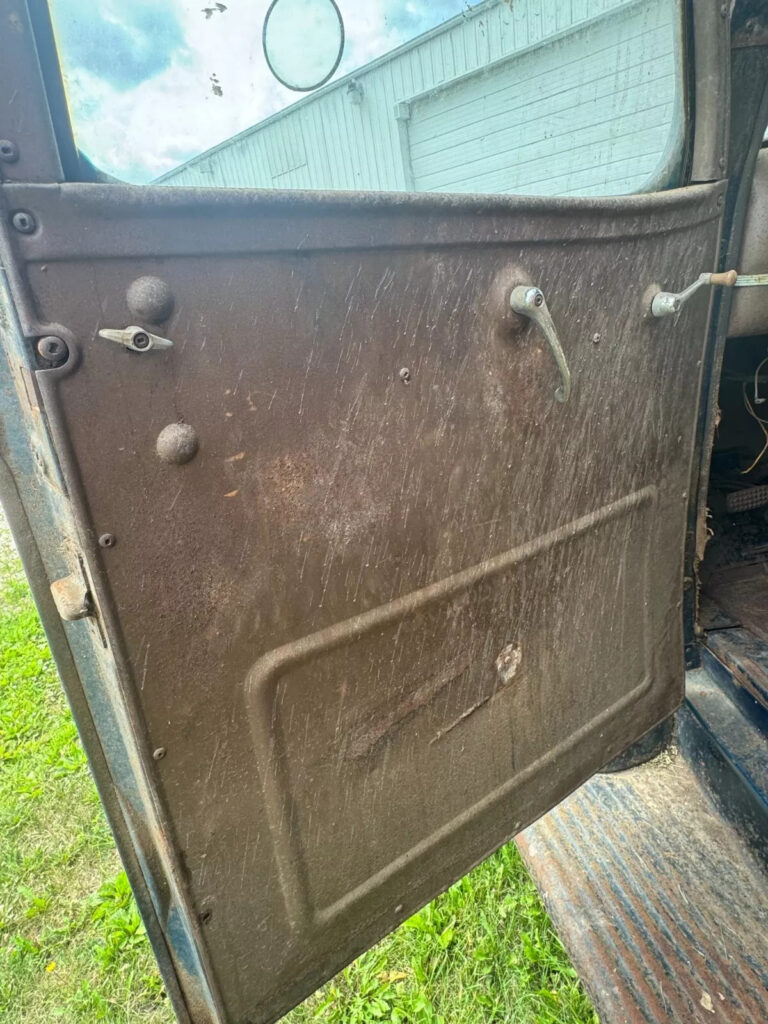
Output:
(661, 905)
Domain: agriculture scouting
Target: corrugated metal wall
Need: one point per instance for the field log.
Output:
(546, 97)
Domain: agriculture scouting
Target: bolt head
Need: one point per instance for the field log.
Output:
(9, 151)
(141, 340)
(54, 350)
(23, 222)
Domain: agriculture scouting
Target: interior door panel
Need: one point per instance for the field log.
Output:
(400, 600)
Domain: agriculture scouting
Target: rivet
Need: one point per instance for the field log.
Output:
(53, 350)
(107, 540)
(9, 151)
(404, 375)
(149, 298)
(159, 754)
(177, 443)
(24, 222)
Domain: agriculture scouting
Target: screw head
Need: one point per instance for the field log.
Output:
(54, 350)
(159, 754)
(404, 375)
(107, 540)
(9, 151)
(24, 222)
(538, 298)
(141, 340)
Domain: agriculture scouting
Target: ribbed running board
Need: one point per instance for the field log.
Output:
(662, 908)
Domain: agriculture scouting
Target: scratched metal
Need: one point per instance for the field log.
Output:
(378, 624)
(658, 900)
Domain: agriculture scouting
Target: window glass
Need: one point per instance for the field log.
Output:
(547, 97)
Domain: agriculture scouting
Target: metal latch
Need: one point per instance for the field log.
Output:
(135, 338)
(670, 303)
(72, 597)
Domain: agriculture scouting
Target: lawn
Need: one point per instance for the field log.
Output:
(72, 947)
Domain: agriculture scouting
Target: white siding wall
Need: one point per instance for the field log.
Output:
(535, 96)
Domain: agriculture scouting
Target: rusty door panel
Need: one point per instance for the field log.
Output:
(401, 601)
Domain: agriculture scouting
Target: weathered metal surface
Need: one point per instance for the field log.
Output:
(33, 111)
(356, 622)
(725, 739)
(744, 655)
(749, 315)
(40, 514)
(659, 902)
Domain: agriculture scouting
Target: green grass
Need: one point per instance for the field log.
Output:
(72, 946)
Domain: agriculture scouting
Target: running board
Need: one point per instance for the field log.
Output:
(661, 905)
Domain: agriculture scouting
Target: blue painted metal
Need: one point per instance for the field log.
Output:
(42, 520)
(725, 738)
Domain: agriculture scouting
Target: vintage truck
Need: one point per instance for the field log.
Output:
(369, 526)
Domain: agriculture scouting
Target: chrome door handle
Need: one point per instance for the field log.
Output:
(527, 300)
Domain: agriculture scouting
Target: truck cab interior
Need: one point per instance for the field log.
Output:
(733, 599)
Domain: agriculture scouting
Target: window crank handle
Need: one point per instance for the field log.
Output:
(527, 300)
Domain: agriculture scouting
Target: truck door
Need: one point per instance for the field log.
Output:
(356, 519)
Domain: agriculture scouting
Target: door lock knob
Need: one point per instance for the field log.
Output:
(135, 338)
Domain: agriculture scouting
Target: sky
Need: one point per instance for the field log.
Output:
(151, 83)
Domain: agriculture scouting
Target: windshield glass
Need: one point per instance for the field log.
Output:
(528, 96)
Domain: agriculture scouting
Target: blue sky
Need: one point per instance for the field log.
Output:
(151, 83)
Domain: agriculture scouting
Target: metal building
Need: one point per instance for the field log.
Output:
(515, 96)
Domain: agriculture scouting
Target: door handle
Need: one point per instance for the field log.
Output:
(527, 300)
(670, 303)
